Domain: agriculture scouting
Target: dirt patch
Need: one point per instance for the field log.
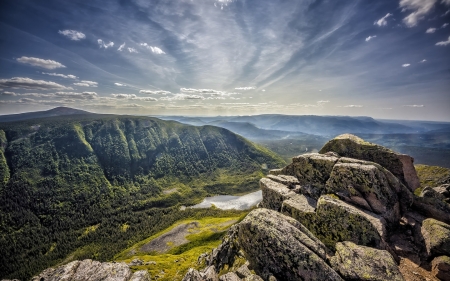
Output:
(413, 272)
(173, 238)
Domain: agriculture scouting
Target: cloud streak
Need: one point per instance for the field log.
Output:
(47, 64)
(30, 84)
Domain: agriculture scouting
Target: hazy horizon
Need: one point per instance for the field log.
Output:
(380, 59)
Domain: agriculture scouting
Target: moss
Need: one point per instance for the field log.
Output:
(430, 176)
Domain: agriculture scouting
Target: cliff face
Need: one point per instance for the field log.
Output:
(346, 213)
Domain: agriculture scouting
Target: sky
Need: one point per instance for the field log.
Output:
(386, 59)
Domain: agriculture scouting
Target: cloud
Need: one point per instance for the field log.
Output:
(47, 64)
(370, 38)
(145, 99)
(154, 50)
(81, 96)
(102, 44)
(443, 43)
(120, 84)
(151, 92)
(124, 96)
(383, 20)
(30, 84)
(245, 88)
(446, 2)
(431, 30)
(422, 61)
(200, 91)
(132, 50)
(60, 75)
(406, 65)
(121, 47)
(414, 105)
(419, 9)
(86, 83)
(182, 97)
(353, 105)
(73, 34)
(444, 25)
(10, 94)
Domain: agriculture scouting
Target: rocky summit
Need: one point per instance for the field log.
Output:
(346, 213)
(349, 212)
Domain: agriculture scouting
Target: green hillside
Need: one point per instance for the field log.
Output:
(89, 185)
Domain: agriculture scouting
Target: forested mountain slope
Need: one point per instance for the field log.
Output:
(63, 177)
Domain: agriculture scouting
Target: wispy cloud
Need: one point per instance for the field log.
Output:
(155, 49)
(431, 30)
(383, 20)
(153, 92)
(370, 38)
(182, 97)
(422, 61)
(47, 64)
(30, 84)
(119, 84)
(121, 47)
(406, 65)
(124, 96)
(132, 50)
(86, 83)
(72, 34)
(443, 43)
(418, 8)
(353, 105)
(103, 44)
(444, 25)
(245, 88)
(10, 94)
(414, 105)
(61, 75)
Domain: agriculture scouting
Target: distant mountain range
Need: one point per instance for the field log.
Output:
(58, 111)
(327, 126)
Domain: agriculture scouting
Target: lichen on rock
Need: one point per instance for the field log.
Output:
(356, 262)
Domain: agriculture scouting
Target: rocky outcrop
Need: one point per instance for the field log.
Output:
(441, 268)
(355, 262)
(278, 245)
(89, 270)
(400, 165)
(432, 203)
(436, 235)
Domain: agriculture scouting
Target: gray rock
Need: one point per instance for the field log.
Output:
(230, 276)
(440, 267)
(288, 181)
(433, 208)
(141, 275)
(400, 165)
(193, 275)
(89, 270)
(274, 194)
(243, 271)
(136, 262)
(436, 235)
(253, 277)
(355, 262)
(278, 245)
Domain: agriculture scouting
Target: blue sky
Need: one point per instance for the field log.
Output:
(385, 59)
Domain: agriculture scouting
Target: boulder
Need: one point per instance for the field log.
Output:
(337, 221)
(312, 171)
(365, 185)
(355, 262)
(400, 165)
(440, 267)
(278, 245)
(230, 276)
(92, 270)
(274, 193)
(432, 207)
(243, 271)
(208, 274)
(253, 277)
(444, 190)
(436, 235)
